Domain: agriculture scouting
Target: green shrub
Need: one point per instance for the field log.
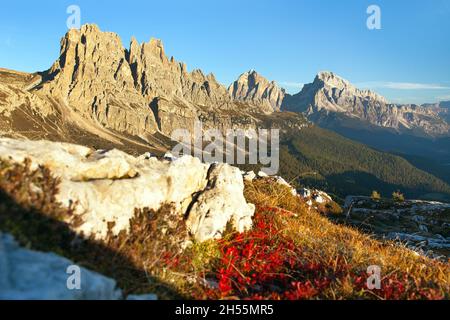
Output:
(375, 195)
(398, 196)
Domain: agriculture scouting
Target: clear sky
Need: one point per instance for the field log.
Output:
(408, 60)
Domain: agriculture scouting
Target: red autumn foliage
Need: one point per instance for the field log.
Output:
(265, 264)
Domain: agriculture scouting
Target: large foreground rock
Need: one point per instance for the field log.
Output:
(107, 187)
(32, 275)
(212, 211)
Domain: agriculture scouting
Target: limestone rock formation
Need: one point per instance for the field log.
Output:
(138, 90)
(33, 275)
(157, 76)
(107, 186)
(92, 76)
(212, 210)
(422, 225)
(255, 89)
(329, 94)
(101, 94)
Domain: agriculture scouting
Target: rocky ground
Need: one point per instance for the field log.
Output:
(423, 226)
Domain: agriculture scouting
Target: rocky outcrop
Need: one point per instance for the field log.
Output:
(209, 196)
(92, 76)
(33, 275)
(158, 76)
(330, 94)
(212, 211)
(255, 89)
(314, 197)
(421, 225)
(138, 91)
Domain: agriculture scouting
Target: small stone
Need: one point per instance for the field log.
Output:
(249, 176)
(262, 174)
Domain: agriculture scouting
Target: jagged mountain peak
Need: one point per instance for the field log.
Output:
(138, 90)
(334, 81)
(330, 94)
(327, 75)
(253, 76)
(331, 79)
(253, 88)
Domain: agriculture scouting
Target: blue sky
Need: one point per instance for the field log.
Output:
(408, 60)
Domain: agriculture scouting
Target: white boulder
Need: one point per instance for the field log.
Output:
(305, 193)
(33, 275)
(262, 174)
(318, 198)
(280, 180)
(107, 186)
(222, 202)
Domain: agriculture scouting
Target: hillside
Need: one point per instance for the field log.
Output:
(291, 251)
(326, 160)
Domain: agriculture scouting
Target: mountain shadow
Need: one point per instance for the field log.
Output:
(37, 230)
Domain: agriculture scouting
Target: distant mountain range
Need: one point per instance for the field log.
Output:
(329, 95)
(103, 95)
(364, 116)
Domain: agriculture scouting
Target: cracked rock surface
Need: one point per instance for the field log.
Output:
(107, 186)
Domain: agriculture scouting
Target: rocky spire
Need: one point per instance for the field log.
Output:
(253, 88)
(93, 78)
(137, 90)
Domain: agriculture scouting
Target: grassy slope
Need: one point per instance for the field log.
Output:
(291, 253)
(344, 167)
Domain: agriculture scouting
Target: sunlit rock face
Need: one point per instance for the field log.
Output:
(330, 94)
(107, 186)
(253, 88)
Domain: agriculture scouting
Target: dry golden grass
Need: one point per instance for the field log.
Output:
(150, 259)
(326, 243)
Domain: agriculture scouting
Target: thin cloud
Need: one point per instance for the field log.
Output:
(404, 85)
(442, 98)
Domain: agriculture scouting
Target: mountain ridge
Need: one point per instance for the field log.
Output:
(111, 91)
(329, 93)
(102, 95)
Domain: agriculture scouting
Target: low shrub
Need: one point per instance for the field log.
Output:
(292, 252)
